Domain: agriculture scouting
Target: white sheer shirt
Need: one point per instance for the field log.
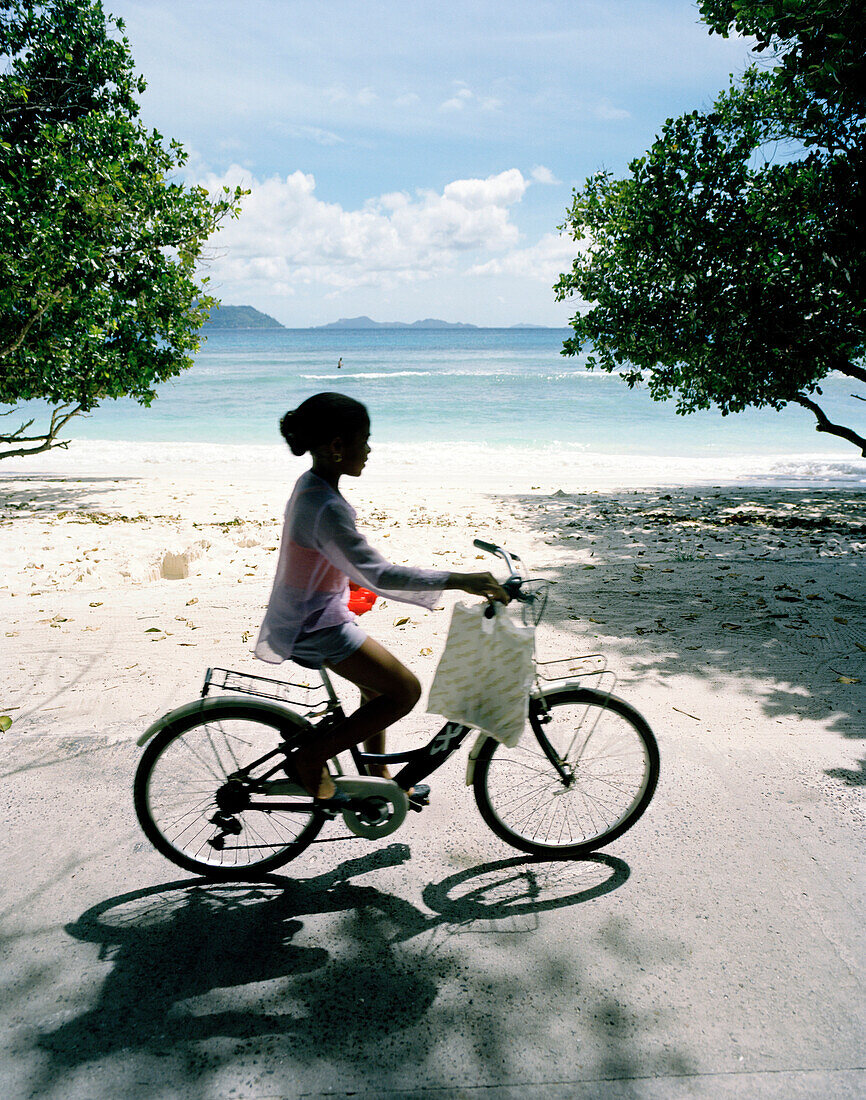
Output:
(321, 549)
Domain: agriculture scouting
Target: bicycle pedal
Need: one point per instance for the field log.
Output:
(419, 798)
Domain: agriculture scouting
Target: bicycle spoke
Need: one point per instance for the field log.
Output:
(601, 788)
(218, 775)
(186, 786)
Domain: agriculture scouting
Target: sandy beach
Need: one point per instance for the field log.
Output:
(118, 591)
(732, 618)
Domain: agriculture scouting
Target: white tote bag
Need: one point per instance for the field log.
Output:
(484, 675)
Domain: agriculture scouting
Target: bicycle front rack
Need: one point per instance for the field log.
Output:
(563, 668)
(589, 666)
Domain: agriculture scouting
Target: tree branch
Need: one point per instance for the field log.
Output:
(852, 370)
(825, 425)
(59, 418)
(16, 436)
(10, 349)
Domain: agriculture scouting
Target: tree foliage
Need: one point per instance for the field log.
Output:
(99, 245)
(728, 268)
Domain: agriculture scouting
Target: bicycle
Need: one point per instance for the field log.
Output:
(214, 795)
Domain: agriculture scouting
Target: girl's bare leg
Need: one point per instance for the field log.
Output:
(389, 691)
(376, 743)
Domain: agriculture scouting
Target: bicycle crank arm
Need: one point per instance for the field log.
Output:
(380, 805)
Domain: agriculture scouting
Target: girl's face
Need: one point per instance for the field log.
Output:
(356, 449)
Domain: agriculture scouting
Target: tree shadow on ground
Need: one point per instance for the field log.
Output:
(50, 495)
(186, 958)
(680, 583)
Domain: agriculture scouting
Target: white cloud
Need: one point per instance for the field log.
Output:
(464, 97)
(540, 174)
(286, 236)
(312, 133)
(338, 95)
(544, 261)
(607, 112)
(457, 101)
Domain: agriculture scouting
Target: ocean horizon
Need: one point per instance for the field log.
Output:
(503, 396)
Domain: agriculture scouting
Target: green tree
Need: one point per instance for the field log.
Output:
(99, 244)
(728, 268)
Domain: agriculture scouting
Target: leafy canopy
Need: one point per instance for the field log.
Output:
(99, 243)
(728, 268)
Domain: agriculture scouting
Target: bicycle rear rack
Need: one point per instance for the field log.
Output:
(313, 699)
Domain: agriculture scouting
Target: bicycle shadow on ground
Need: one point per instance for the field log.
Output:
(182, 953)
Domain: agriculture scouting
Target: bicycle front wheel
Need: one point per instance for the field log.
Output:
(199, 799)
(581, 775)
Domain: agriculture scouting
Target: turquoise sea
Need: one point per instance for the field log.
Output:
(480, 406)
(491, 387)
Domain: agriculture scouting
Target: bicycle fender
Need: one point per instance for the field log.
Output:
(203, 706)
(473, 756)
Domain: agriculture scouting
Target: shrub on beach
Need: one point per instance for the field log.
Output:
(99, 296)
(728, 268)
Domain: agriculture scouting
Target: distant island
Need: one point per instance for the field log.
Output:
(226, 318)
(427, 323)
(239, 317)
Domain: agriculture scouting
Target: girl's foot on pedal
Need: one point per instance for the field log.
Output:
(319, 784)
(382, 771)
(315, 780)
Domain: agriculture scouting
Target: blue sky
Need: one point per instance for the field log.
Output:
(409, 159)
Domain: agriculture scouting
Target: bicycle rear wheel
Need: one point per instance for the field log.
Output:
(606, 770)
(198, 799)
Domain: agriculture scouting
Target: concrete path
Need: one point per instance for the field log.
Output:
(712, 952)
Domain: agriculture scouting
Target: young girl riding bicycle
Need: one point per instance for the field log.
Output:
(308, 620)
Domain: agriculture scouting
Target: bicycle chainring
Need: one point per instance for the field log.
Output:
(380, 805)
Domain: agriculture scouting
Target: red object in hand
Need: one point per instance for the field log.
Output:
(360, 599)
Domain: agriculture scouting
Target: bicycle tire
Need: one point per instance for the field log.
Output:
(183, 767)
(526, 802)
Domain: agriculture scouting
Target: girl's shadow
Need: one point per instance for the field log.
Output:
(175, 943)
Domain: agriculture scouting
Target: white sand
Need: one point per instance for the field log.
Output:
(119, 590)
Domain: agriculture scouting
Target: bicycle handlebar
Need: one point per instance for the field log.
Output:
(512, 585)
(488, 546)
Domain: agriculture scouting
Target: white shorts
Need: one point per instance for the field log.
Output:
(328, 646)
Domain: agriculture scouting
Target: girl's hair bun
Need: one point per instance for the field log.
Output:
(320, 418)
(291, 434)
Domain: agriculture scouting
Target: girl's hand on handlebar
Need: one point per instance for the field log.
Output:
(479, 584)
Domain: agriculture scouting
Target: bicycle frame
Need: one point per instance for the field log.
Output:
(423, 761)
(419, 762)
